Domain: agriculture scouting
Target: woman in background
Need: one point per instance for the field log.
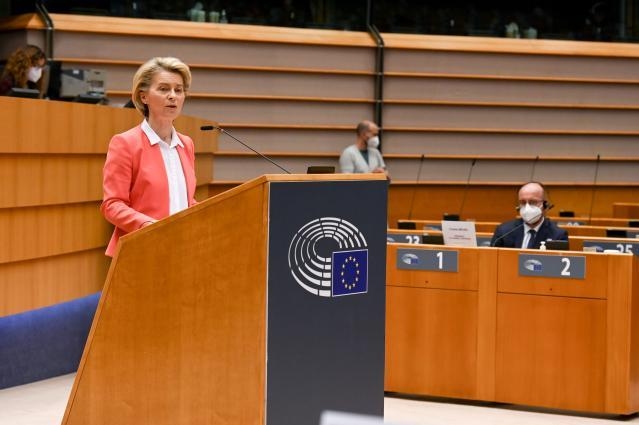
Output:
(149, 172)
(23, 69)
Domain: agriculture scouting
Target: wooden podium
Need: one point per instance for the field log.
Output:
(488, 331)
(264, 304)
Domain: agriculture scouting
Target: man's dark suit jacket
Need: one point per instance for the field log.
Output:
(548, 230)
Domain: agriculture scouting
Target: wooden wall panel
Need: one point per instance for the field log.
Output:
(510, 144)
(26, 285)
(34, 232)
(509, 117)
(312, 140)
(625, 209)
(283, 112)
(583, 61)
(215, 52)
(497, 202)
(53, 233)
(514, 91)
(50, 179)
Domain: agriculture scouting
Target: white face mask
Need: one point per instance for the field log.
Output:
(34, 74)
(530, 213)
(373, 142)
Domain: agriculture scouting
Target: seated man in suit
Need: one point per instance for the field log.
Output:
(533, 227)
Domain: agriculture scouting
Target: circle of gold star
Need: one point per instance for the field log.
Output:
(350, 285)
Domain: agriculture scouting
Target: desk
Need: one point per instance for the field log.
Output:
(487, 333)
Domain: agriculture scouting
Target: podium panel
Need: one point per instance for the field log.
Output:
(202, 319)
(326, 299)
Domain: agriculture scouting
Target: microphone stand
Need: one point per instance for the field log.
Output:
(412, 199)
(214, 127)
(594, 188)
(470, 173)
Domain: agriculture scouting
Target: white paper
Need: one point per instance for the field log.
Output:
(459, 233)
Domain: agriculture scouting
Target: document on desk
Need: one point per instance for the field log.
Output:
(459, 233)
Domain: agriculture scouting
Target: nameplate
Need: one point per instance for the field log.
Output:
(404, 238)
(565, 267)
(427, 259)
(601, 246)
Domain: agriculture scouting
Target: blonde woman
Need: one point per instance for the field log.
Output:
(149, 172)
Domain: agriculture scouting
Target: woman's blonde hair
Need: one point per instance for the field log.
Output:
(144, 76)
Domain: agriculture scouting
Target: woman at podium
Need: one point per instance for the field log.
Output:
(149, 171)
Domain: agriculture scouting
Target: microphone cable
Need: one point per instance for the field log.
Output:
(228, 133)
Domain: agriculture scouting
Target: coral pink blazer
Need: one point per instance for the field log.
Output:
(135, 183)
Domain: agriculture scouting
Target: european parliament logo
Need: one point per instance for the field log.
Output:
(328, 257)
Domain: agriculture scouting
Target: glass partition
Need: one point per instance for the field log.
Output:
(604, 20)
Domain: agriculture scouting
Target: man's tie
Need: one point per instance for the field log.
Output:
(531, 241)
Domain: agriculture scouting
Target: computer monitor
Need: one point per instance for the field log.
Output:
(566, 213)
(557, 245)
(406, 225)
(433, 239)
(450, 217)
(92, 98)
(616, 233)
(29, 93)
(79, 85)
(320, 169)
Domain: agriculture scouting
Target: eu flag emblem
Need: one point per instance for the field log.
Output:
(350, 272)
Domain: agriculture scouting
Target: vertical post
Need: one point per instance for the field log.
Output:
(379, 67)
(48, 35)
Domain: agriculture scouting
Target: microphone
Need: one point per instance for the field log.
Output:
(532, 171)
(514, 229)
(412, 199)
(594, 188)
(214, 127)
(470, 173)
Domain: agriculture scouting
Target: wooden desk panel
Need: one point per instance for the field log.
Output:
(431, 338)
(559, 343)
(575, 347)
(440, 326)
(551, 351)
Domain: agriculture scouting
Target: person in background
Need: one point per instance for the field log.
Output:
(533, 227)
(149, 171)
(363, 156)
(23, 69)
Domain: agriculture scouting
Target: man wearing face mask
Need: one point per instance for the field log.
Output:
(533, 227)
(23, 69)
(363, 156)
